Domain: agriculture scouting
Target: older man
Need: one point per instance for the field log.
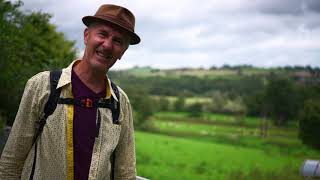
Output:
(86, 136)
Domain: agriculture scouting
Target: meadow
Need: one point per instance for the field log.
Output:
(165, 157)
(181, 148)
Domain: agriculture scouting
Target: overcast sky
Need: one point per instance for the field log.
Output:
(205, 33)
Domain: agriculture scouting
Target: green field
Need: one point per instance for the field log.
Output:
(165, 157)
(218, 147)
(198, 72)
(210, 117)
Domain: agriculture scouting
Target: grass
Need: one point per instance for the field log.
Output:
(204, 129)
(210, 117)
(225, 130)
(188, 100)
(240, 136)
(202, 73)
(171, 114)
(223, 119)
(164, 157)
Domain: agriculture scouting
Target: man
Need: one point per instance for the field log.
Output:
(78, 141)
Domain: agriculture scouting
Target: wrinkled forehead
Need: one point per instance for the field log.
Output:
(113, 27)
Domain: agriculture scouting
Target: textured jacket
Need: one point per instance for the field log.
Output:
(55, 144)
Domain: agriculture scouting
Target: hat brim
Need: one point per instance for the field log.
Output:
(134, 38)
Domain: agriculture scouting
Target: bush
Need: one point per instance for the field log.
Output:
(29, 43)
(142, 106)
(309, 123)
(179, 104)
(195, 109)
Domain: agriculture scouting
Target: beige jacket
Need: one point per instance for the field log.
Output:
(55, 144)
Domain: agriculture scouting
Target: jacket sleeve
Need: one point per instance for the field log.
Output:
(21, 136)
(125, 161)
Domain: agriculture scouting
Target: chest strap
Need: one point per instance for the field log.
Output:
(111, 104)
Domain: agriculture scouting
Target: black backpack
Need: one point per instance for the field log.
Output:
(54, 99)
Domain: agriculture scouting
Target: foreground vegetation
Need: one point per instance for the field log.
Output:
(165, 157)
(218, 147)
(225, 129)
(29, 43)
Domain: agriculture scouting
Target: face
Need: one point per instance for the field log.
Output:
(105, 44)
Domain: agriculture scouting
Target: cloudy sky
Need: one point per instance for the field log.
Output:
(205, 33)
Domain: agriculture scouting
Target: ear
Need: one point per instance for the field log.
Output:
(86, 36)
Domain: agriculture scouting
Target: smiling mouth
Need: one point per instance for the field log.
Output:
(105, 56)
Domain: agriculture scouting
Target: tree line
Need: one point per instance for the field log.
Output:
(29, 43)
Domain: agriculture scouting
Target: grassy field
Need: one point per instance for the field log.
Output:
(222, 118)
(188, 100)
(198, 72)
(164, 157)
(181, 147)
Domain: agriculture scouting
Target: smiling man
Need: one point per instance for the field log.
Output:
(77, 124)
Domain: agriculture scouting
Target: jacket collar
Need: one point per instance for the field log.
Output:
(66, 79)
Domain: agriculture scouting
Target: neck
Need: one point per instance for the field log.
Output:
(95, 80)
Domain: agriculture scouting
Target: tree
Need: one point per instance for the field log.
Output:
(282, 100)
(179, 104)
(195, 109)
(309, 123)
(163, 104)
(29, 44)
(218, 101)
(142, 105)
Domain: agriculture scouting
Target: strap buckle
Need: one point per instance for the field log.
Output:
(88, 103)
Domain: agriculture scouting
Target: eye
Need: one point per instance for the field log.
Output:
(101, 34)
(118, 41)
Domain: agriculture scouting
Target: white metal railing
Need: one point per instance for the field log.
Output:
(310, 168)
(141, 178)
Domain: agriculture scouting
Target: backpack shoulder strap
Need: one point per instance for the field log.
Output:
(115, 117)
(54, 93)
(116, 104)
(48, 110)
(52, 101)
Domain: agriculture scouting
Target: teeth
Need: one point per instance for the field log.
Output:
(103, 55)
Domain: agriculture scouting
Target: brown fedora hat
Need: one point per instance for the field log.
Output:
(117, 15)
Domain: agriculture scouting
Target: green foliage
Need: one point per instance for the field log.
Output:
(29, 44)
(309, 123)
(227, 130)
(162, 103)
(142, 105)
(290, 173)
(218, 101)
(256, 103)
(210, 118)
(192, 85)
(161, 157)
(179, 104)
(235, 107)
(282, 99)
(195, 109)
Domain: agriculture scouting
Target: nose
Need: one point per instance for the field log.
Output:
(107, 43)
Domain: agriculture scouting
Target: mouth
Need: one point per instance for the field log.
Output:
(106, 56)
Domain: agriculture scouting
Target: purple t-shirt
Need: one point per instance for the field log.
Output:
(84, 128)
